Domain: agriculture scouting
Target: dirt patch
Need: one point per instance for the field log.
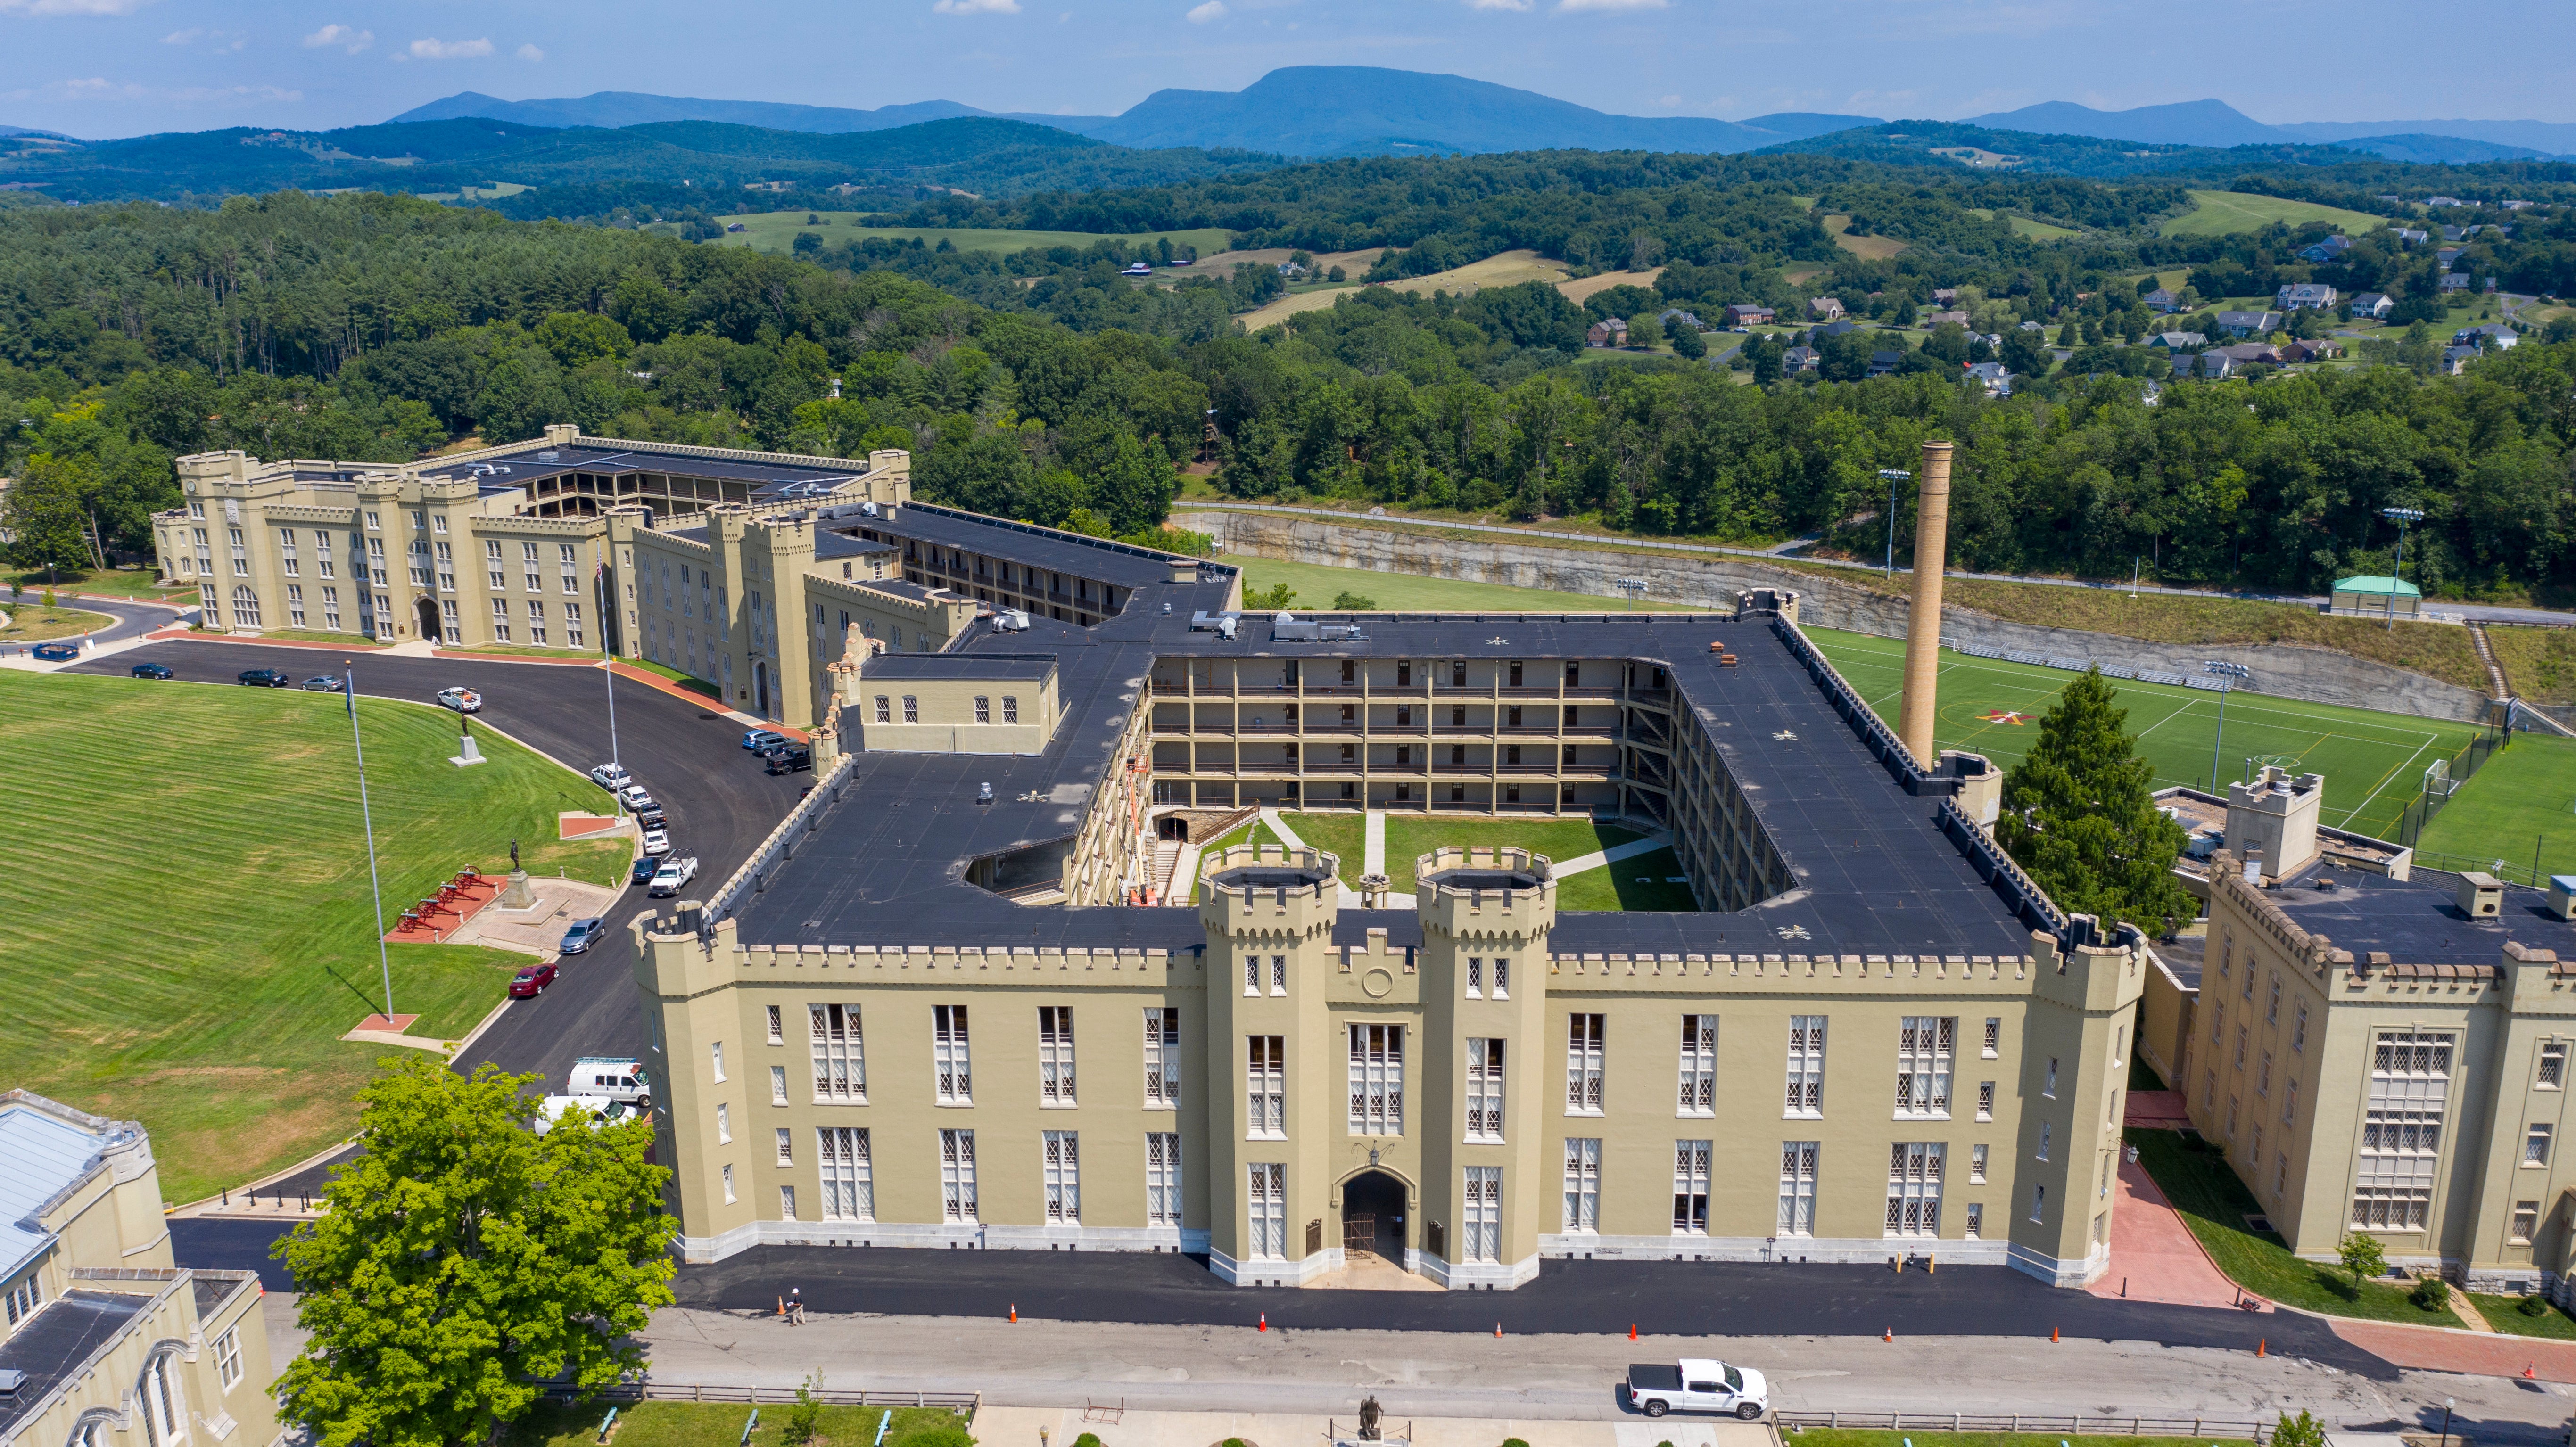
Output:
(1581, 289)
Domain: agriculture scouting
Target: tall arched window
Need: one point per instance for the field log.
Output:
(245, 607)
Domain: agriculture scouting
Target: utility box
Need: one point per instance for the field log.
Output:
(2562, 895)
(2481, 895)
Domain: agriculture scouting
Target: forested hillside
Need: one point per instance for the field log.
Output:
(375, 327)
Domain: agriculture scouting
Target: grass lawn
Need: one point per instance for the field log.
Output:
(34, 623)
(1280, 309)
(2216, 213)
(2539, 663)
(2506, 1315)
(2214, 1203)
(1509, 268)
(114, 583)
(710, 1424)
(322, 636)
(2040, 230)
(689, 681)
(2520, 807)
(1650, 881)
(1409, 837)
(2373, 762)
(1317, 585)
(776, 231)
(189, 932)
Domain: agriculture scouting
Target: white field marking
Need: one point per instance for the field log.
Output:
(2383, 783)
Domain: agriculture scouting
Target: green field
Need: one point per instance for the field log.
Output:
(2217, 213)
(1643, 882)
(2373, 762)
(708, 1424)
(1316, 585)
(776, 231)
(2520, 805)
(2040, 230)
(187, 930)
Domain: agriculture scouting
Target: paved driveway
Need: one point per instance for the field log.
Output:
(721, 806)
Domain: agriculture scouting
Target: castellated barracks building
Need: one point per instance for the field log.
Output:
(982, 989)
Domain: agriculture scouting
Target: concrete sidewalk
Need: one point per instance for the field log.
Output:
(1611, 855)
(1060, 1426)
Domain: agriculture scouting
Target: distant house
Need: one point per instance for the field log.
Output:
(2455, 360)
(1291, 271)
(734, 226)
(2210, 366)
(1745, 314)
(1673, 316)
(2494, 336)
(2408, 236)
(2515, 205)
(2178, 341)
(1883, 363)
(2305, 295)
(2444, 201)
(1935, 319)
(1991, 376)
(2372, 304)
(2448, 254)
(2163, 301)
(1833, 329)
(2248, 324)
(1799, 359)
(1945, 295)
(2455, 281)
(2312, 351)
(2031, 327)
(1610, 333)
(2246, 354)
(1824, 308)
(2330, 249)
(2458, 233)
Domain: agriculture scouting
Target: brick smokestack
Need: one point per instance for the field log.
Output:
(1923, 624)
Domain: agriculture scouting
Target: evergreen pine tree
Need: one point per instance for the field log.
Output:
(2079, 816)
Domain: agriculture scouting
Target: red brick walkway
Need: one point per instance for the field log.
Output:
(2155, 1110)
(2475, 1353)
(2154, 1256)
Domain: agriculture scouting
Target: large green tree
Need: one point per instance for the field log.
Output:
(2079, 816)
(464, 1258)
(44, 514)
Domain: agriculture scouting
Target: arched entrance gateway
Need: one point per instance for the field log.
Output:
(1373, 1212)
(425, 617)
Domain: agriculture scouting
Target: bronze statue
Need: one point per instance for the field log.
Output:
(514, 854)
(1369, 1412)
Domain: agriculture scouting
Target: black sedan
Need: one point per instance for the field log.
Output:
(644, 870)
(264, 678)
(154, 670)
(789, 758)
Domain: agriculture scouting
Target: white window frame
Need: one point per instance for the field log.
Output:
(1162, 1178)
(1691, 1160)
(1480, 1215)
(1265, 1080)
(1485, 1090)
(957, 1201)
(1266, 1209)
(1055, 1056)
(1924, 1046)
(1060, 1173)
(1697, 1095)
(1583, 1184)
(1162, 1057)
(228, 1359)
(849, 1184)
(1798, 1161)
(1586, 1058)
(838, 1048)
(1804, 1098)
(951, 1056)
(1376, 1079)
(1914, 1188)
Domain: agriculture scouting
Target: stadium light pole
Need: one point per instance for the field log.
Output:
(1892, 476)
(2400, 516)
(2222, 671)
(1632, 587)
(367, 817)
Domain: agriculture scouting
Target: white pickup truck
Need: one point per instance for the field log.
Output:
(1698, 1384)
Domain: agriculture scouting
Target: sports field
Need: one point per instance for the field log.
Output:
(2521, 805)
(2217, 213)
(2373, 762)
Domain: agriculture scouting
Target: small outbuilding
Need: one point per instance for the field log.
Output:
(2378, 597)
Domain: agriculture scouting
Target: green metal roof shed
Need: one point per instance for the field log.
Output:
(2380, 596)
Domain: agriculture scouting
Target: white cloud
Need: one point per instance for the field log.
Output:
(212, 39)
(529, 53)
(1570, 7)
(449, 49)
(69, 7)
(1521, 5)
(347, 37)
(977, 7)
(1202, 14)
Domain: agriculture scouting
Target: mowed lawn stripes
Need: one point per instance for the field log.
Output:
(186, 930)
(2373, 762)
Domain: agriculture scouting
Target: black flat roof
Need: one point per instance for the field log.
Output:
(62, 1335)
(829, 544)
(967, 666)
(770, 481)
(1028, 544)
(2418, 921)
(1875, 874)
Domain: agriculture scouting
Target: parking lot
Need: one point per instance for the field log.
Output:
(721, 806)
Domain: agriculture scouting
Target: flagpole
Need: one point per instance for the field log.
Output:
(607, 658)
(366, 813)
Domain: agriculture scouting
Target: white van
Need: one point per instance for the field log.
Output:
(610, 1077)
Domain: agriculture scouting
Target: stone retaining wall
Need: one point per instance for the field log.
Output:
(1711, 581)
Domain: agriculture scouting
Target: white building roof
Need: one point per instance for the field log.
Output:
(42, 1155)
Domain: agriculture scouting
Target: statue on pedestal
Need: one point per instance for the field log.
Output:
(1369, 1414)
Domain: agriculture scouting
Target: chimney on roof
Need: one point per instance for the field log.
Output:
(1923, 624)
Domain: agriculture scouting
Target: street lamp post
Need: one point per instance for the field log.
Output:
(2400, 516)
(2222, 671)
(1892, 476)
(2446, 1422)
(1632, 587)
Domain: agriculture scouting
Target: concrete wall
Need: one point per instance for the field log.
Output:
(2320, 675)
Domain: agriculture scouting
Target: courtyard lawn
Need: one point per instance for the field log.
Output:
(2517, 810)
(2506, 1315)
(1316, 585)
(2373, 762)
(114, 583)
(2214, 1204)
(1651, 881)
(710, 1424)
(1410, 836)
(188, 931)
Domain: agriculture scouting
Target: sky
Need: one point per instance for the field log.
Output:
(107, 68)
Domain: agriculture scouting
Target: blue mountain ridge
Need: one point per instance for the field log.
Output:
(2216, 123)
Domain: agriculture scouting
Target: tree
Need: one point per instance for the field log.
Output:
(1133, 487)
(1687, 342)
(1347, 601)
(1763, 352)
(2078, 815)
(578, 337)
(2363, 1256)
(2303, 1430)
(2024, 354)
(1271, 599)
(1644, 330)
(465, 1258)
(44, 511)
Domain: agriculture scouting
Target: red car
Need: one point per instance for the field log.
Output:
(531, 982)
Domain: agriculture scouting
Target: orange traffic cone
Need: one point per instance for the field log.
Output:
(2052, 1333)
(1498, 1328)
(2526, 1374)
(1632, 1336)
(1015, 1311)
(1891, 1335)
(2260, 1343)
(1265, 1321)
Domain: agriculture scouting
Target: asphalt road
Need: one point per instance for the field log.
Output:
(721, 805)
